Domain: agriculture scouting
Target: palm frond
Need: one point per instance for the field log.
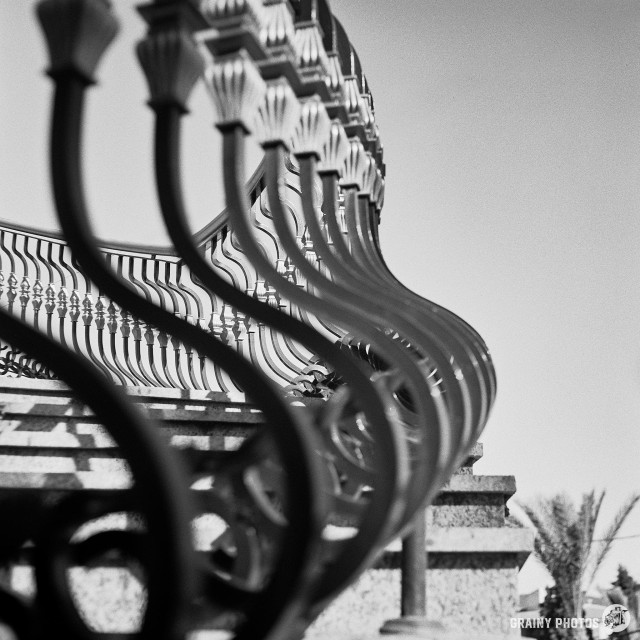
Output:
(589, 512)
(546, 544)
(607, 539)
(552, 519)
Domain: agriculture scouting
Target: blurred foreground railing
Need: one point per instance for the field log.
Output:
(408, 385)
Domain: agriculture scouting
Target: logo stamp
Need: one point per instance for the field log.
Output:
(615, 618)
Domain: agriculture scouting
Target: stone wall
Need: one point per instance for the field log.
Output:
(475, 551)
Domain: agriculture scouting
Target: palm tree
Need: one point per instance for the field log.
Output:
(565, 544)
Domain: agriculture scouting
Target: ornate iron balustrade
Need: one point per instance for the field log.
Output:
(40, 282)
(404, 412)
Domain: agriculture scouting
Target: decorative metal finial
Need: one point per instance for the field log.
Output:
(230, 13)
(278, 114)
(237, 90)
(172, 65)
(278, 30)
(78, 32)
(313, 128)
(366, 111)
(335, 77)
(312, 57)
(355, 165)
(368, 176)
(378, 190)
(335, 150)
(353, 99)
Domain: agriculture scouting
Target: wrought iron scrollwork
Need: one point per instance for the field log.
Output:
(158, 493)
(289, 291)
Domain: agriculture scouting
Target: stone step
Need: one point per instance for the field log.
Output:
(465, 484)
(44, 416)
(472, 501)
(118, 479)
(467, 540)
(60, 393)
(185, 411)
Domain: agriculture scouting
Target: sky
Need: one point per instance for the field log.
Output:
(512, 142)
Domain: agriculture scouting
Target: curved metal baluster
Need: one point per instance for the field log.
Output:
(201, 322)
(152, 283)
(163, 338)
(476, 344)
(125, 328)
(361, 229)
(355, 207)
(433, 458)
(188, 295)
(191, 318)
(390, 477)
(63, 263)
(472, 335)
(467, 355)
(297, 552)
(239, 278)
(410, 326)
(36, 301)
(289, 352)
(74, 300)
(269, 344)
(112, 325)
(360, 96)
(473, 375)
(258, 259)
(116, 367)
(323, 325)
(87, 321)
(430, 458)
(361, 280)
(294, 355)
(49, 268)
(11, 276)
(269, 231)
(237, 275)
(233, 139)
(130, 326)
(51, 305)
(137, 330)
(25, 285)
(175, 343)
(363, 117)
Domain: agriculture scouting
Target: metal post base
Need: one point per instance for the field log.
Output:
(416, 626)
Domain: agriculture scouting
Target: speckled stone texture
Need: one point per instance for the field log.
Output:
(472, 597)
(467, 510)
(362, 609)
(471, 501)
(108, 598)
(477, 593)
